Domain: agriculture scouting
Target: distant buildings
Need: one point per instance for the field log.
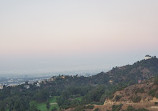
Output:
(51, 79)
(27, 86)
(1, 86)
(12, 85)
(147, 57)
(38, 84)
(110, 81)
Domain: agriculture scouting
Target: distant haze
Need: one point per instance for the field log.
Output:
(38, 36)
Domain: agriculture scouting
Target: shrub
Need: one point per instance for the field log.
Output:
(156, 80)
(89, 107)
(136, 99)
(130, 108)
(79, 108)
(118, 97)
(152, 92)
(117, 107)
(97, 109)
(139, 90)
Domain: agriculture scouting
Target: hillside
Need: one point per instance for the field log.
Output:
(75, 92)
(140, 70)
(138, 96)
(137, 93)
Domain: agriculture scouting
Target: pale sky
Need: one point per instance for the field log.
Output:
(39, 36)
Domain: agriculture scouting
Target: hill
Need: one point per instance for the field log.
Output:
(140, 70)
(142, 96)
(75, 92)
(137, 97)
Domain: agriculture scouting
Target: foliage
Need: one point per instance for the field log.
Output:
(139, 90)
(89, 107)
(136, 99)
(130, 108)
(154, 92)
(79, 108)
(97, 109)
(117, 97)
(156, 80)
(76, 91)
(117, 107)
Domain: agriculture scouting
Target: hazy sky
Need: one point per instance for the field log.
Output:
(69, 35)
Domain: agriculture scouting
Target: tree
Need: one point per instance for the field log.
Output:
(33, 107)
(48, 105)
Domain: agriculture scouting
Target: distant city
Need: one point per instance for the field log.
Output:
(16, 79)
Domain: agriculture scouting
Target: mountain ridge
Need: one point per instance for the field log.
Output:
(140, 70)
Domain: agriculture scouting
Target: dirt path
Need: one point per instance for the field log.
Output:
(53, 103)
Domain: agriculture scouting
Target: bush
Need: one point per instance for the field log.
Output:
(139, 90)
(79, 108)
(136, 99)
(156, 80)
(117, 107)
(117, 97)
(97, 109)
(152, 92)
(130, 108)
(89, 107)
(54, 109)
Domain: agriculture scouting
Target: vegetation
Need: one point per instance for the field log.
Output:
(139, 90)
(97, 109)
(116, 107)
(89, 107)
(156, 80)
(136, 99)
(117, 98)
(77, 91)
(130, 108)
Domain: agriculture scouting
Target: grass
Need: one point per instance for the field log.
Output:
(53, 99)
(42, 106)
(79, 98)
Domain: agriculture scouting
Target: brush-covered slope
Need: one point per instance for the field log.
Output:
(142, 92)
(140, 70)
(138, 97)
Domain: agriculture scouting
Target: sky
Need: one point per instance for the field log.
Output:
(40, 36)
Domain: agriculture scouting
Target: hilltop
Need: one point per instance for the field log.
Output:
(140, 70)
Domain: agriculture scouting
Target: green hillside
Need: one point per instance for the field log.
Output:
(76, 90)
